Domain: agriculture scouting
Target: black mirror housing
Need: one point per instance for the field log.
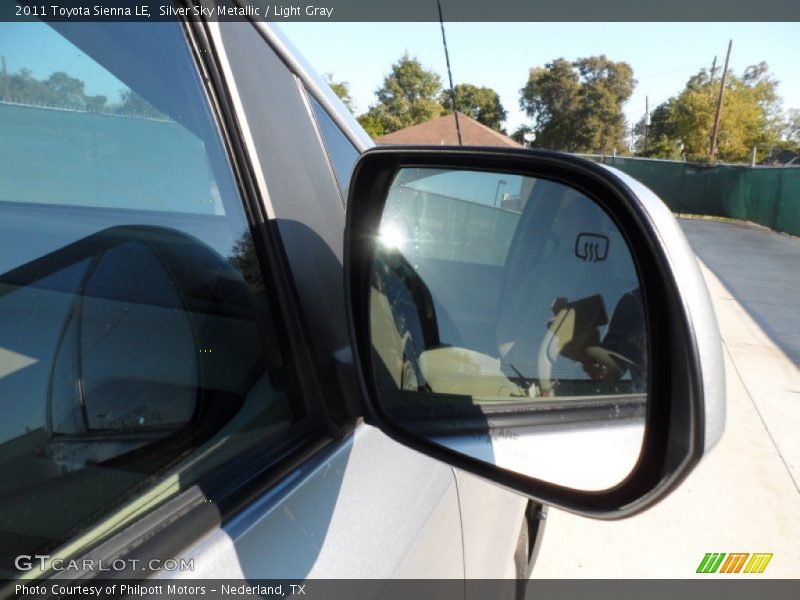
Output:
(685, 386)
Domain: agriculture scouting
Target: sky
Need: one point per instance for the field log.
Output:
(499, 55)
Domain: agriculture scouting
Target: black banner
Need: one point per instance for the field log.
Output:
(737, 588)
(399, 10)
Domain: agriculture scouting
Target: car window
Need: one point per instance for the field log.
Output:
(341, 152)
(136, 336)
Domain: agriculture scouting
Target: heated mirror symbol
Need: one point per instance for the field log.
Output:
(591, 247)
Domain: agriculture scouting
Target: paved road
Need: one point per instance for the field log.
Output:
(761, 270)
(744, 496)
(760, 320)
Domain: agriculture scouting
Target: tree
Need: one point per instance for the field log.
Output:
(63, 90)
(371, 124)
(96, 103)
(550, 97)
(578, 106)
(341, 89)
(244, 258)
(792, 129)
(134, 104)
(751, 117)
(23, 87)
(519, 134)
(59, 89)
(480, 103)
(662, 140)
(409, 95)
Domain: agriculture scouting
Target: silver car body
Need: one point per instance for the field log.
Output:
(367, 507)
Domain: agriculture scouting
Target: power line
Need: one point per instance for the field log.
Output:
(692, 68)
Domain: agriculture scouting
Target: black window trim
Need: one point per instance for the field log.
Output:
(251, 469)
(315, 84)
(265, 237)
(307, 99)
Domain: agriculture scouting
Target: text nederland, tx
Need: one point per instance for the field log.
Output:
(150, 590)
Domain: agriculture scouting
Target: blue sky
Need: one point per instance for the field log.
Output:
(663, 55)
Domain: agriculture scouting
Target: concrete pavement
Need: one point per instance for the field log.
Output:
(758, 306)
(760, 268)
(744, 496)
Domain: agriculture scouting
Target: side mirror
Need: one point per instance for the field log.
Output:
(532, 318)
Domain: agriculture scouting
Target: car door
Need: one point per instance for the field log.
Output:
(171, 303)
(490, 516)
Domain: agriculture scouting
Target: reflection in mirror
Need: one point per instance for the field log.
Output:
(507, 322)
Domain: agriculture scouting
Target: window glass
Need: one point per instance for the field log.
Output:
(135, 334)
(103, 142)
(341, 151)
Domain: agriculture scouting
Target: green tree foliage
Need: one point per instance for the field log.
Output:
(96, 103)
(662, 140)
(371, 124)
(133, 104)
(751, 116)
(341, 89)
(480, 103)
(409, 95)
(519, 134)
(577, 106)
(19, 86)
(245, 259)
(60, 89)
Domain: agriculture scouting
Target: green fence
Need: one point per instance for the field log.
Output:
(769, 196)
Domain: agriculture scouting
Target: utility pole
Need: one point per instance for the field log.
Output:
(715, 131)
(646, 120)
(713, 68)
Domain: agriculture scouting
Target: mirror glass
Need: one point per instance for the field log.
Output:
(507, 323)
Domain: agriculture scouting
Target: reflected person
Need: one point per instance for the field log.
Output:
(624, 346)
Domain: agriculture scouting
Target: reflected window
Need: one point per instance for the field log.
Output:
(136, 336)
